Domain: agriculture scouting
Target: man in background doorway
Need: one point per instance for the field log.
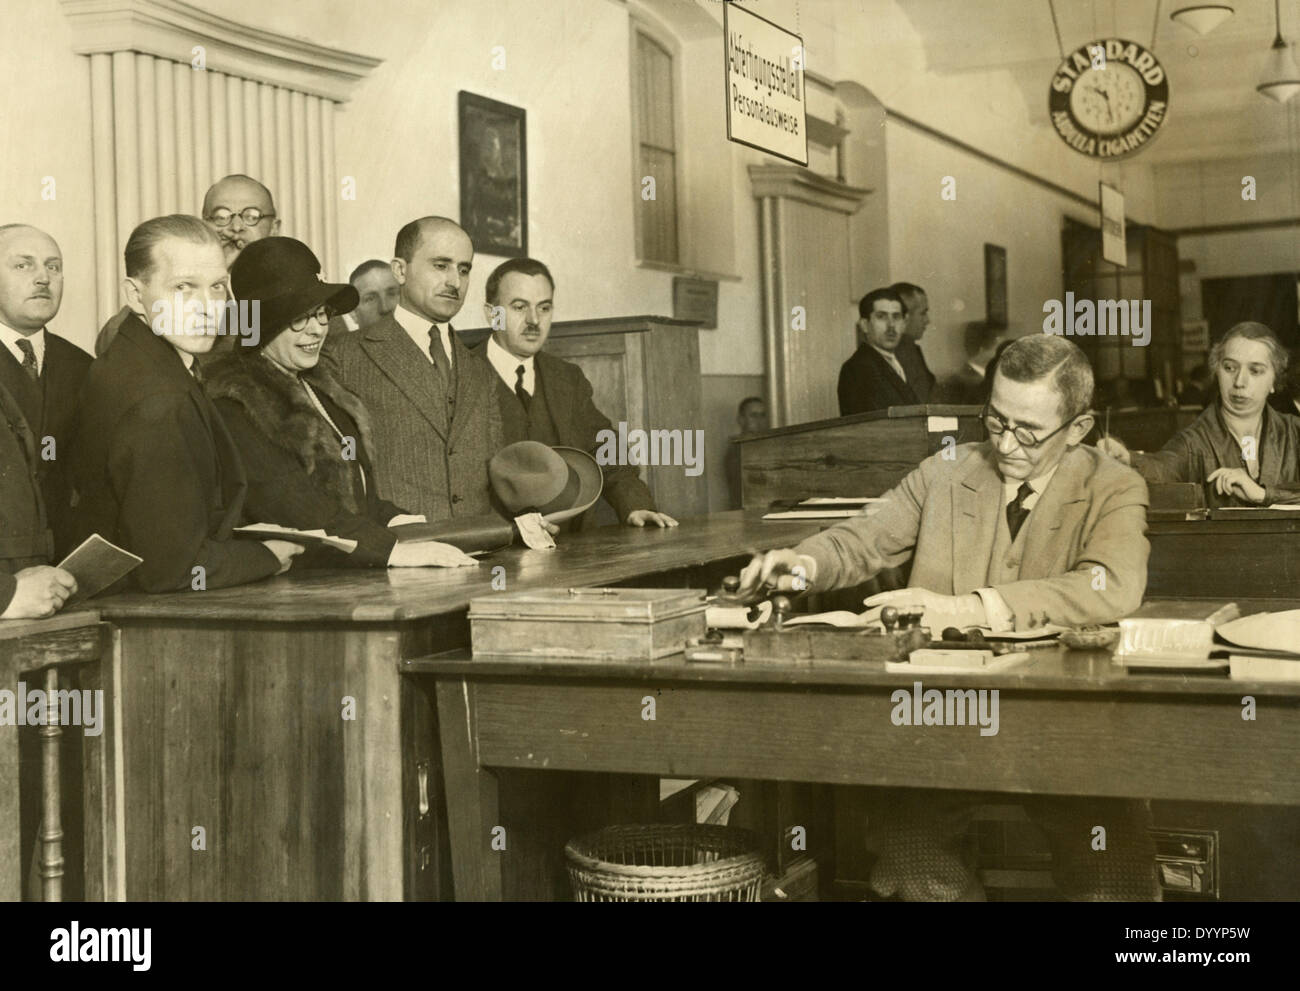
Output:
(916, 306)
(751, 417)
(969, 386)
(873, 377)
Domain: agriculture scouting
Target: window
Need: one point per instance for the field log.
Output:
(655, 121)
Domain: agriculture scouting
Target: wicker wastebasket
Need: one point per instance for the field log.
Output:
(666, 863)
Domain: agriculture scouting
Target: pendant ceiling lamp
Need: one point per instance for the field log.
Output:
(1202, 17)
(1281, 79)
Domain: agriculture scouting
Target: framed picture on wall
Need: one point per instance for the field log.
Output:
(995, 283)
(493, 175)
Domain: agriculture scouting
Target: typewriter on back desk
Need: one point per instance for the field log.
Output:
(775, 639)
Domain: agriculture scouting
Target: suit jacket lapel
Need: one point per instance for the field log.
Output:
(468, 368)
(977, 500)
(395, 353)
(886, 370)
(1064, 498)
(232, 481)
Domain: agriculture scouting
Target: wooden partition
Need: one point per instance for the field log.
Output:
(861, 455)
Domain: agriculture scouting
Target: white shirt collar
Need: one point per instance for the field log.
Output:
(11, 337)
(417, 329)
(507, 365)
(1012, 486)
(892, 358)
(978, 369)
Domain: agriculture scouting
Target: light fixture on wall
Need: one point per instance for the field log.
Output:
(1281, 78)
(1202, 17)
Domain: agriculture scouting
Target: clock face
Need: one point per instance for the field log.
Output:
(1108, 98)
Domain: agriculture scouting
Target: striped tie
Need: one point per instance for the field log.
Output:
(29, 359)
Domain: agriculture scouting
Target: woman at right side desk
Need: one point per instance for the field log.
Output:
(1244, 452)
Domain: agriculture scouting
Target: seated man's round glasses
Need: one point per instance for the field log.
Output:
(996, 426)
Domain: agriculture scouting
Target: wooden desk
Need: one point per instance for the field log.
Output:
(28, 646)
(1069, 723)
(1223, 559)
(235, 704)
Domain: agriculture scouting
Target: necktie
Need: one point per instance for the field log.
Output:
(524, 395)
(197, 372)
(439, 357)
(29, 359)
(1016, 511)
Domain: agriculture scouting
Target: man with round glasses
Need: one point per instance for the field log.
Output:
(1026, 528)
(240, 209)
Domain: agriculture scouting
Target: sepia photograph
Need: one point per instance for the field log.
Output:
(550, 451)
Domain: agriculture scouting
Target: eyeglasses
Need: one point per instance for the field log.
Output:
(322, 315)
(251, 216)
(996, 426)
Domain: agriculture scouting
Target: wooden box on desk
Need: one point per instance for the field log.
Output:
(866, 454)
(604, 624)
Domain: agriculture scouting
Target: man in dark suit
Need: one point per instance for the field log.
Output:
(916, 306)
(41, 370)
(29, 587)
(548, 399)
(152, 464)
(873, 378)
(432, 400)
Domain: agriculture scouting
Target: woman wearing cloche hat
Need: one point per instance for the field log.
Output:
(305, 440)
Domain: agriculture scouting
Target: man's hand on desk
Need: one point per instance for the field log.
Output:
(783, 570)
(941, 611)
(640, 517)
(40, 591)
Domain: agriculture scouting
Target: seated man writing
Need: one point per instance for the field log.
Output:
(1023, 529)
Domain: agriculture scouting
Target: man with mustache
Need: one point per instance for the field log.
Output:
(432, 400)
(154, 468)
(42, 371)
(873, 378)
(240, 209)
(547, 399)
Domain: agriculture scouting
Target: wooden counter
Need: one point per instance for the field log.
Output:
(236, 716)
(1070, 722)
(75, 643)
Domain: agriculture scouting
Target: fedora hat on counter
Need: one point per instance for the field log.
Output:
(283, 275)
(558, 482)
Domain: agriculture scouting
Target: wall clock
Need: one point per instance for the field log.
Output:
(1108, 98)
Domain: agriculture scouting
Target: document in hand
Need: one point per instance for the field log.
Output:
(308, 538)
(97, 564)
